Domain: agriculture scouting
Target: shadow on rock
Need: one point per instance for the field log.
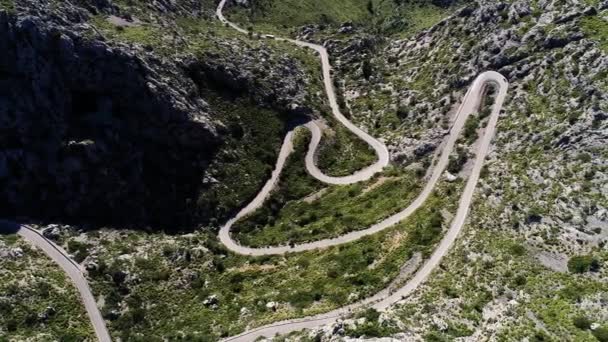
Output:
(8, 227)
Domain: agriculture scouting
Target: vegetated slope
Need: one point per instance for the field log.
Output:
(37, 302)
(532, 260)
(328, 23)
(159, 286)
(190, 287)
(289, 218)
(136, 113)
(381, 16)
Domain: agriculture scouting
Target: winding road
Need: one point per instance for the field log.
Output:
(70, 267)
(382, 300)
(379, 147)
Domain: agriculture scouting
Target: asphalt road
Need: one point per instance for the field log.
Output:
(385, 298)
(468, 106)
(70, 267)
(382, 299)
(378, 146)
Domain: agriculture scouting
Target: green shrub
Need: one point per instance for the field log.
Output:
(370, 314)
(456, 163)
(402, 112)
(367, 69)
(371, 327)
(584, 157)
(520, 280)
(458, 330)
(601, 334)
(572, 292)
(470, 128)
(539, 336)
(435, 337)
(581, 322)
(517, 249)
(79, 249)
(302, 299)
(582, 264)
(426, 234)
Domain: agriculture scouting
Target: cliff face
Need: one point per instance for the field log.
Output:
(91, 131)
(107, 133)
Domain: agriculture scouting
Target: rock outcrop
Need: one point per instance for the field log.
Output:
(105, 132)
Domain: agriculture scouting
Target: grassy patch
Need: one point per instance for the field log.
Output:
(7, 5)
(469, 132)
(144, 34)
(284, 14)
(583, 263)
(413, 18)
(392, 17)
(596, 28)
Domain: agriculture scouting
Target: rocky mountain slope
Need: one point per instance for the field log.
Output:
(151, 113)
(529, 266)
(103, 130)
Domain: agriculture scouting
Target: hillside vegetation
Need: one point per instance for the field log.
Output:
(382, 16)
(37, 301)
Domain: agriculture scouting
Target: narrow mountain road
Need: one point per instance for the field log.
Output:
(469, 105)
(378, 146)
(382, 300)
(70, 267)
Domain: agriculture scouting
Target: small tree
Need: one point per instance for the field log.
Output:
(370, 7)
(601, 334)
(367, 69)
(581, 322)
(582, 264)
(402, 112)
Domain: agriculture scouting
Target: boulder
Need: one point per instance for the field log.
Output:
(272, 306)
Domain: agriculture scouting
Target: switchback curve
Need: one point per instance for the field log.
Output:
(384, 298)
(468, 106)
(379, 147)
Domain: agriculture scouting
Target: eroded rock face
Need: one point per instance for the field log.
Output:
(90, 130)
(101, 132)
